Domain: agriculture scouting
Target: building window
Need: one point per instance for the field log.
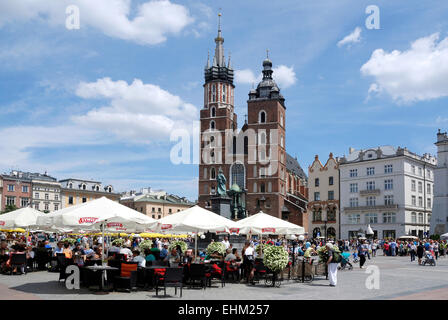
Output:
(330, 195)
(413, 217)
(353, 202)
(429, 173)
(205, 173)
(331, 214)
(388, 168)
(317, 214)
(420, 217)
(170, 210)
(84, 200)
(428, 188)
(316, 196)
(420, 201)
(420, 187)
(36, 195)
(370, 185)
(262, 188)
(153, 210)
(24, 189)
(370, 201)
(46, 208)
(353, 173)
(70, 200)
(36, 205)
(159, 216)
(389, 234)
(56, 197)
(389, 217)
(420, 172)
(428, 203)
(10, 187)
(353, 187)
(46, 196)
(330, 181)
(269, 186)
(371, 218)
(388, 184)
(414, 200)
(316, 182)
(213, 112)
(223, 93)
(388, 200)
(354, 218)
(371, 171)
(262, 117)
(24, 202)
(213, 96)
(212, 125)
(413, 169)
(56, 207)
(413, 188)
(70, 185)
(159, 209)
(237, 174)
(212, 173)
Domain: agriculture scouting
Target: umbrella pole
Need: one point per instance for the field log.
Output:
(195, 245)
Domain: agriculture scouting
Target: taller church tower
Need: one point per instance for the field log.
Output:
(439, 218)
(216, 117)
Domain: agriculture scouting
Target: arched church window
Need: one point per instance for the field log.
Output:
(212, 173)
(212, 125)
(262, 188)
(212, 141)
(237, 174)
(213, 112)
(213, 93)
(262, 117)
(223, 93)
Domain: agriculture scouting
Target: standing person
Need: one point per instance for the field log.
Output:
(413, 251)
(332, 265)
(374, 246)
(362, 249)
(420, 251)
(436, 250)
(248, 261)
(226, 242)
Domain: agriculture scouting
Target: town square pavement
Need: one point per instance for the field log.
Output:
(398, 279)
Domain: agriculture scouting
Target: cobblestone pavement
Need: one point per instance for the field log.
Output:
(398, 279)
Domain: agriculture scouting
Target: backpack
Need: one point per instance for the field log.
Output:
(337, 257)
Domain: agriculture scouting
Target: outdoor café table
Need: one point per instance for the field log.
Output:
(103, 269)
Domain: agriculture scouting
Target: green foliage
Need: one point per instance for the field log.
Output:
(216, 246)
(145, 244)
(323, 253)
(183, 245)
(118, 242)
(70, 240)
(9, 208)
(434, 237)
(275, 258)
(261, 247)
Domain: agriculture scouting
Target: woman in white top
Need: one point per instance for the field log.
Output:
(248, 260)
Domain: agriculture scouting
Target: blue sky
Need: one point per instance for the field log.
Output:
(100, 102)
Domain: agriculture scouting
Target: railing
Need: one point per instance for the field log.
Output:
(379, 207)
(374, 192)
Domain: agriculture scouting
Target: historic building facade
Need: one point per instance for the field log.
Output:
(254, 158)
(389, 188)
(156, 204)
(76, 191)
(323, 205)
(16, 190)
(46, 193)
(439, 222)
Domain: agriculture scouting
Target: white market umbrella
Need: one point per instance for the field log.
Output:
(195, 219)
(90, 216)
(369, 230)
(262, 223)
(20, 218)
(444, 236)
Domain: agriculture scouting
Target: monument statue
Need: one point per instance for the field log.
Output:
(221, 180)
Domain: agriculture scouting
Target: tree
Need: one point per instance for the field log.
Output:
(9, 208)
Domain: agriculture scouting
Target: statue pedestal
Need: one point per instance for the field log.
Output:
(221, 206)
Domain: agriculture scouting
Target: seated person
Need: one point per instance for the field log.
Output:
(155, 251)
(88, 252)
(230, 256)
(136, 257)
(164, 252)
(67, 251)
(214, 256)
(59, 248)
(126, 251)
(173, 258)
(149, 255)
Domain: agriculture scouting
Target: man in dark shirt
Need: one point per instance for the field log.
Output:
(420, 251)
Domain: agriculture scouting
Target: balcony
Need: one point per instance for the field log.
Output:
(374, 192)
(370, 208)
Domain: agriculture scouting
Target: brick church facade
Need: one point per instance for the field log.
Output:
(254, 158)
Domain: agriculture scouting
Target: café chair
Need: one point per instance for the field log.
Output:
(173, 277)
(18, 260)
(127, 278)
(197, 273)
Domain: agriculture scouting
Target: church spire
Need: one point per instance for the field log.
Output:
(219, 51)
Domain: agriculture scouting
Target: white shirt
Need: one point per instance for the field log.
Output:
(226, 243)
(126, 251)
(249, 251)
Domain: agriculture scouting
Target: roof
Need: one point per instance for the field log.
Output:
(293, 165)
(168, 199)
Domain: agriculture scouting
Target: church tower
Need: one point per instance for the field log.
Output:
(439, 218)
(216, 117)
(267, 175)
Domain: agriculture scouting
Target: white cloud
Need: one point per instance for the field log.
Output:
(283, 75)
(137, 111)
(416, 74)
(153, 20)
(353, 37)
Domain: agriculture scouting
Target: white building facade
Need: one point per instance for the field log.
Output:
(389, 189)
(439, 223)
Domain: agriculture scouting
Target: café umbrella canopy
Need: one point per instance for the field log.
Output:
(369, 231)
(195, 220)
(444, 236)
(20, 218)
(263, 224)
(92, 215)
